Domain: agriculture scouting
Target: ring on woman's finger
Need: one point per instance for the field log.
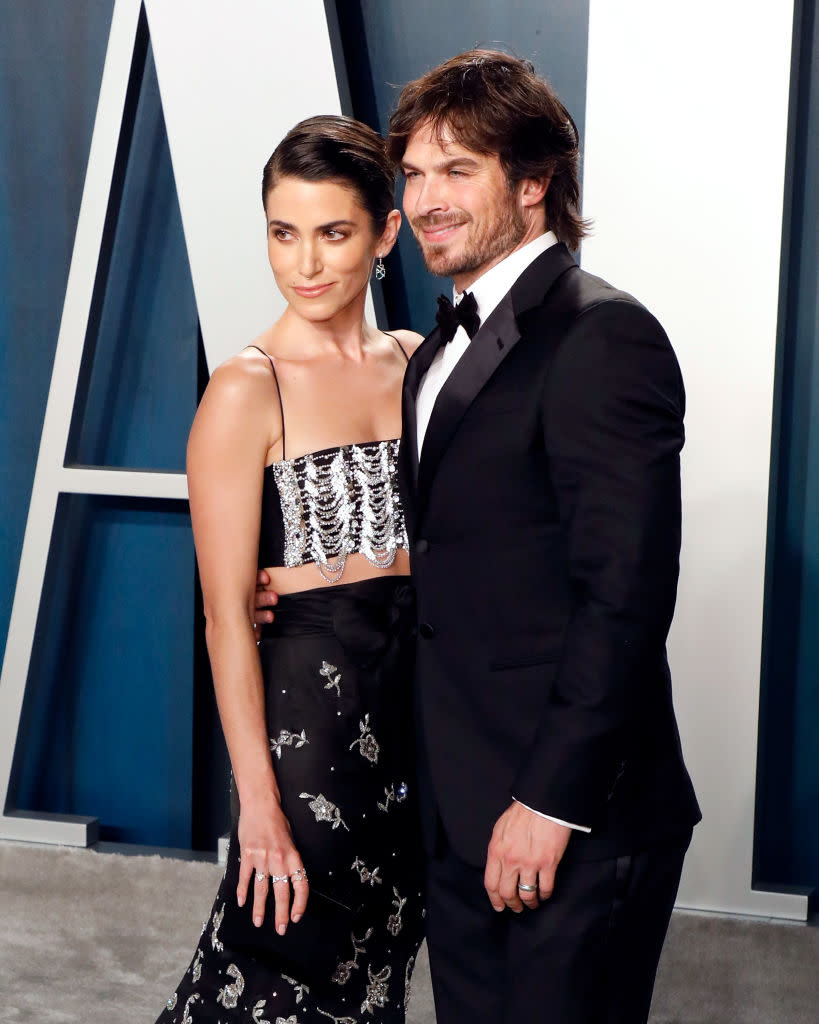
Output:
(260, 876)
(299, 875)
(526, 888)
(279, 878)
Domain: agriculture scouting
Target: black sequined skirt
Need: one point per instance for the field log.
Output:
(337, 666)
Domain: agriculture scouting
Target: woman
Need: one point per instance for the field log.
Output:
(292, 461)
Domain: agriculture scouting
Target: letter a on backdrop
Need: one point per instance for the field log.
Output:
(226, 104)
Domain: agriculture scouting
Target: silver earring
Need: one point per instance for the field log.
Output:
(380, 270)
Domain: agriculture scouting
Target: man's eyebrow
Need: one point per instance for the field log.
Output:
(444, 165)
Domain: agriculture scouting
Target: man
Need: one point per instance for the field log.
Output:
(542, 426)
(542, 488)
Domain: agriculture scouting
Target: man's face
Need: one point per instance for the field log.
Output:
(460, 207)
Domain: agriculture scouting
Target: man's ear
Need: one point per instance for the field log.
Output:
(532, 191)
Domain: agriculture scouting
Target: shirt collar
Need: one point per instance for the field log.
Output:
(491, 286)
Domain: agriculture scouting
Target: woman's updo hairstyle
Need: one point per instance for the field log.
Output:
(338, 149)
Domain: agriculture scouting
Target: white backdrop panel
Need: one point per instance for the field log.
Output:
(234, 77)
(686, 119)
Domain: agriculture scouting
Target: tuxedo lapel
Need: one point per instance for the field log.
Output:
(491, 345)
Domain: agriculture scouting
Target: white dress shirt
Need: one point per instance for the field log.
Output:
(488, 290)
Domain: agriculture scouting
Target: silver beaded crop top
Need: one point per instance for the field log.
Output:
(329, 504)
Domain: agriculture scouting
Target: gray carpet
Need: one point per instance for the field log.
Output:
(99, 938)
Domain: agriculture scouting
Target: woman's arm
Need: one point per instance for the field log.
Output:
(235, 426)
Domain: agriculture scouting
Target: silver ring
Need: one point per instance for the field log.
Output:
(279, 878)
(300, 875)
(526, 888)
(260, 876)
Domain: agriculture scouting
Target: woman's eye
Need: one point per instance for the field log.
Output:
(334, 235)
(281, 234)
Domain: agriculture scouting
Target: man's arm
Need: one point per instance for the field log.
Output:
(612, 427)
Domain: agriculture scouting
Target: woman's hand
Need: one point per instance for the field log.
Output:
(266, 849)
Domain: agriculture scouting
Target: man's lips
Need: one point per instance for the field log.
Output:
(311, 291)
(439, 232)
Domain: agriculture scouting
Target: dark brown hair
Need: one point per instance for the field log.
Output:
(491, 102)
(339, 149)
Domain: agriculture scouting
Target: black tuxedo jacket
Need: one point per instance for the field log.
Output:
(544, 520)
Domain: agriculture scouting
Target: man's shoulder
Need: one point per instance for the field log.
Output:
(581, 291)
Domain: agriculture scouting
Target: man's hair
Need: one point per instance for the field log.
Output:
(330, 147)
(491, 102)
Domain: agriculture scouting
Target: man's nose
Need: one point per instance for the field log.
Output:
(429, 198)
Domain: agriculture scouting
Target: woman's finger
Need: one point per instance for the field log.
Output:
(246, 870)
(301, 890)
(259, 897)
(281, 893)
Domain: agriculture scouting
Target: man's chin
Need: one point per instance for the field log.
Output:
(440, 263)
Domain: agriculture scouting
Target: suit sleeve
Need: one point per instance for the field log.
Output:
(612, 416)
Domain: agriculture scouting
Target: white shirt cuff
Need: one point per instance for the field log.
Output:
(549, 817)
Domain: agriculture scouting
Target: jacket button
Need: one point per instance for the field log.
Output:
(421, 547)
(426, 630)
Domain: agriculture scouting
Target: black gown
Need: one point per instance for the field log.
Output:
(337, 667)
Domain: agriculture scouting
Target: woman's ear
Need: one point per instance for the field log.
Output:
(390, 233)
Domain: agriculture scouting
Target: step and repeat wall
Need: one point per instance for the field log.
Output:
(133, 261)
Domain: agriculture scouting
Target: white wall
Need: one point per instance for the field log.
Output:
(234, 78)
(686, 120)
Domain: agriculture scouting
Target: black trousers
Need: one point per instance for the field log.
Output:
(588, 955)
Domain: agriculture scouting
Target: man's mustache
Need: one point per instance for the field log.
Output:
(429, 221)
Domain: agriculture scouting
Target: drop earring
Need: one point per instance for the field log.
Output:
(380, 270)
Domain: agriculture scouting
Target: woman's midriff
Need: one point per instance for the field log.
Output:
(357, 567)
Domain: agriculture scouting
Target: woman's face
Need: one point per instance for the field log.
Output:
(321, 245)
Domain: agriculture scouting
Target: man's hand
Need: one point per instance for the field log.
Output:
(265, 600)
(524, 848)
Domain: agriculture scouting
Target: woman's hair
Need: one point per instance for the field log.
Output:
(338, 149)
(491, 102)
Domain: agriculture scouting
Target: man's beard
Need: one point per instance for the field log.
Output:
(496, 238)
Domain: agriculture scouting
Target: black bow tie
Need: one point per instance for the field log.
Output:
(449, 317)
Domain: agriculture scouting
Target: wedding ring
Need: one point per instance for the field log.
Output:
(300, 875)
(279, 878)
(526, 888)
(260, 876)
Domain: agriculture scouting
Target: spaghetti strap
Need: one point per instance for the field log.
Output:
(278, 389)
(398, 343)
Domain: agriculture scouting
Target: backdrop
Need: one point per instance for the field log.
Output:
(698, 173)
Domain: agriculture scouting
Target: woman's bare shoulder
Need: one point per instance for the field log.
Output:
(408, 340)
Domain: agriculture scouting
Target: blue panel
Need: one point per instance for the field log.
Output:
(51, 59)
(107, 724)
(388, 42)
(108, 716)
(140, 374)
(787, 824)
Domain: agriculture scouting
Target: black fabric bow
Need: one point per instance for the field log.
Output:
(449, 317)
(365, 630)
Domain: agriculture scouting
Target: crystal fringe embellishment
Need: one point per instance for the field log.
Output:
(342, 501)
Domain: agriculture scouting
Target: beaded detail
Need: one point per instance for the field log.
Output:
(342, 501)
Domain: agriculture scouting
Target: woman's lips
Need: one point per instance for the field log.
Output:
(312, 291)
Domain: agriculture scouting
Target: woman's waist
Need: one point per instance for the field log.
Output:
(384, 603)
(285, 580)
